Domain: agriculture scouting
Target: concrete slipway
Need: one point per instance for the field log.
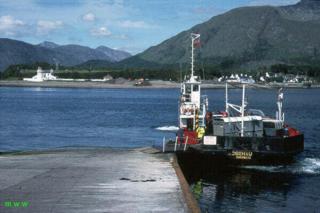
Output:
(91, 180)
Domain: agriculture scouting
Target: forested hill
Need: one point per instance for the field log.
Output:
(247, 37)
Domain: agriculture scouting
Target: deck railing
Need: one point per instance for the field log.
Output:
(175, 145)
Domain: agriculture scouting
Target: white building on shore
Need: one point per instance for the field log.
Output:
(243, 79)
(47, 75)
(42, 75)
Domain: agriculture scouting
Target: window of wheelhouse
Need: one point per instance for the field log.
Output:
(269, 125)
(188, 88)
(195, 88)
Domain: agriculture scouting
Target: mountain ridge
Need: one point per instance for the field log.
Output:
(248, 36)
(48, 44)
(20, 52)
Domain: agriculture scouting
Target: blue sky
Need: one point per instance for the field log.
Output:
(131, 25)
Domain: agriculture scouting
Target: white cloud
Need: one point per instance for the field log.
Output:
(134, 24)
(89, 17)
(45, 27)
(272, 2)
(101, 31)
(9, 25)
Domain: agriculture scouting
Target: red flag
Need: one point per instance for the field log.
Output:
(197, 43)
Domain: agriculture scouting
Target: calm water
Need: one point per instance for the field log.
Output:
(44, 118)
(40, 118)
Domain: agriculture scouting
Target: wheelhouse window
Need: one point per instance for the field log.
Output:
(195, 88)
(269, 125)
(188, 88)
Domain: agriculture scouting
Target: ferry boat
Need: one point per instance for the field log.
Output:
(237, 134)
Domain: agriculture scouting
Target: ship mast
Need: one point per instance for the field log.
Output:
(192, 107)
(243, 109)
(280, 114)
(194, 37)
(227, 99)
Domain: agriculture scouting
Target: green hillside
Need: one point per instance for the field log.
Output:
(246, 38)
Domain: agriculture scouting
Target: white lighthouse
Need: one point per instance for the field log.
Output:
(42, 75)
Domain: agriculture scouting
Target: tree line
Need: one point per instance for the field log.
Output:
(174, 73)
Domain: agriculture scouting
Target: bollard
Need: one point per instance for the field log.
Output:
(185, 144)
(175, 144)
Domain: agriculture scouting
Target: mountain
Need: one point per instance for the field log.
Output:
(116, 55)
(78, 54)
(95, 64)
(18, 52)
(48, 44)
(248, 36)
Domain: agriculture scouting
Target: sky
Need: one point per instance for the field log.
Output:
(130, 25)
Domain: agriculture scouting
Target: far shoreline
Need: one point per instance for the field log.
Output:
(157, 84)
(85, 84)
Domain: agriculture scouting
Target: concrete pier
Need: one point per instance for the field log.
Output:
(90, 180)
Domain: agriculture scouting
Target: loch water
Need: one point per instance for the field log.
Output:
(50, 118)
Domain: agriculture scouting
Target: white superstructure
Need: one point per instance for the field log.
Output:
(192, 108)
(238, 121)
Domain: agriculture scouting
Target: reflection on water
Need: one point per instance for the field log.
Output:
(229, 189)
(242, 188)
